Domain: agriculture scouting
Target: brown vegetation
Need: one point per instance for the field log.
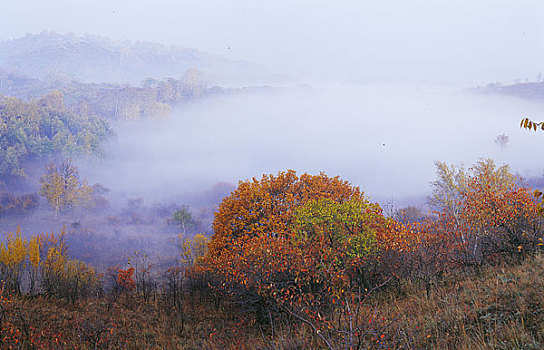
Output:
(301, 262)
(501, 308)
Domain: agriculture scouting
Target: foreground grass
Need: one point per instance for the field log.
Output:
(501, 308)
(122, 323)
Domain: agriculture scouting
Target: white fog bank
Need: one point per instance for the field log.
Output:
(383, 138)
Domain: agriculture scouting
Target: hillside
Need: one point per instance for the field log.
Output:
(499, 309)
(530, 90)
(53, 56)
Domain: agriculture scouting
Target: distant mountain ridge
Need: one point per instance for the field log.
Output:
(528, 90)
(91, 58)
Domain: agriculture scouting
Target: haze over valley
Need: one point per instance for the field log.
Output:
(384, 138)
(176, 133)
(272, 175)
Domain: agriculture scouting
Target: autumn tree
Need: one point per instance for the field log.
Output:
(41, 265)
(300, 245)
(192, 250)
(451, 183)
(125, 280)
(62, 187)
(494, 214)
(351, 227)
(34, 260)
(61, 276)
(266, 207)
(341, 240)
(13, 260)
(501, 211)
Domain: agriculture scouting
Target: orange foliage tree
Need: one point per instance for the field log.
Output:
(265, 207)
(500, 215)
(315, 247)
(301, 245)
(496, 216)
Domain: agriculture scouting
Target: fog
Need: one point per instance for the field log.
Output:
(384, 95)
(384, 138)
(463, 42)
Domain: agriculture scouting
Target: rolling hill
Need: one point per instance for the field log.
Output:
(89, 58)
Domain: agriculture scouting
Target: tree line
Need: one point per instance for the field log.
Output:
(42, 128)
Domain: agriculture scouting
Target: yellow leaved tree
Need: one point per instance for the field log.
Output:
(41, 265)
(62, 187)
(192, 250)
(13, 259)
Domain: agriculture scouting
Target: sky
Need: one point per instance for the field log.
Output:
(461, 42)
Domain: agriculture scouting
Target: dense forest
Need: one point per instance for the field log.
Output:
(43, 128)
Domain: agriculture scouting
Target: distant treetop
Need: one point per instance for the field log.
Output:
(43, 128)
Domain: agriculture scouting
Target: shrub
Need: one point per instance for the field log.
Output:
(192, 250)
(494, 217)
(13, 205)
(13, 260)
(303, 246)
(125, 280)
(43, 263)
(65, 278)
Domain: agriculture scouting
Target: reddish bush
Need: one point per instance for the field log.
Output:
(125, 280)
(304, 246)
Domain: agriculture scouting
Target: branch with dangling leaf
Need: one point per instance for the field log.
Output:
(526, 123)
